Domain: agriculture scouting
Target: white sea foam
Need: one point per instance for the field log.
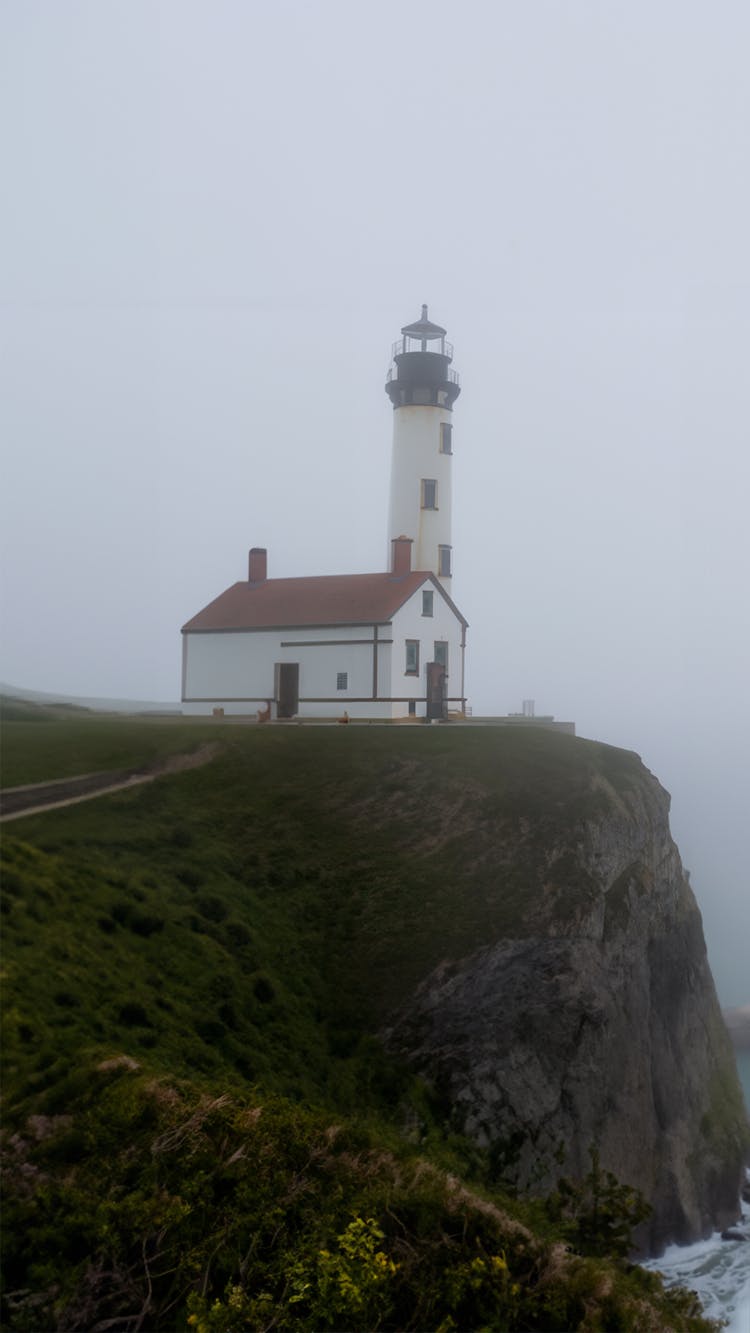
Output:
(718, 1270)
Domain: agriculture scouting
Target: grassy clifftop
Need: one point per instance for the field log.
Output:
(303, 882)
(190, 963)
(43, 743)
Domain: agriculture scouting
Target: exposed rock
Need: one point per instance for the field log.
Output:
(597, 1024)
(125, 1062)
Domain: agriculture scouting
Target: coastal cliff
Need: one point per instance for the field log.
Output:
(200, 1121)
(594, 1022)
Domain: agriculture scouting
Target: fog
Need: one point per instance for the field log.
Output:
(217, 217)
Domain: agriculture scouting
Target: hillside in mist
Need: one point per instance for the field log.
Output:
(279, 1031)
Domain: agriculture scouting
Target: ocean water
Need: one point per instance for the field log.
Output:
(718, 1270)
(743, 1069)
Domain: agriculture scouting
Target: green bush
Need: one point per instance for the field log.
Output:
(156, 1202)
(133, 1015)
(599, 1215)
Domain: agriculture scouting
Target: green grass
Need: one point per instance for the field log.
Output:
(242, 930)
(42, 748)
(328, 862)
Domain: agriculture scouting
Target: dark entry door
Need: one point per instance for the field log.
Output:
(287, 689)
(435, 690)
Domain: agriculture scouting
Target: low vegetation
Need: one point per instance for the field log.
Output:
(41, 744)
(202, 1130)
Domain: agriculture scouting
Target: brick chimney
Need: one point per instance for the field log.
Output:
(401, 556)
(257, 565)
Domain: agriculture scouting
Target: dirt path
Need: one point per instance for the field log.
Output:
(34, 799)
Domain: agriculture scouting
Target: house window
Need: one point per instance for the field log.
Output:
(444, 561)
(342, 680)
(446, 437)
(427, 603)
(412, 657)
(441, 653)
(429, 493)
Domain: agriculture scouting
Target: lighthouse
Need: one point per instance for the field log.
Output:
(423, 387)
(386, 646)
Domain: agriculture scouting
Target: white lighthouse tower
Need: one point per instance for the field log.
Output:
(423, 388)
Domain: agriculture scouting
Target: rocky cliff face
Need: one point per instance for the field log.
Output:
(595, 1024)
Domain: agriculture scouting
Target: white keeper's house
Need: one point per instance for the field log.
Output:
(383, 646)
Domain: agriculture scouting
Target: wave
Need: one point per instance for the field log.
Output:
(718, 1270)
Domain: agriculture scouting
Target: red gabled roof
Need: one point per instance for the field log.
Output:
(331, 599)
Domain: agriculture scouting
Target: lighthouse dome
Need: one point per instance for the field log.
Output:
(421, 371)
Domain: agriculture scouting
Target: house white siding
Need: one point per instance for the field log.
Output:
(233, 670)
(341, 667)
(323, 655)
(236, 670)
(442, 626)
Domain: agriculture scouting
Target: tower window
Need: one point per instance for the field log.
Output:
(446, 437)
(412, 657)
(429, 493)
(428, 599)
(444, 561)
(342, 680)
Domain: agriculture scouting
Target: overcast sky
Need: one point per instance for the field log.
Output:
(216, 218)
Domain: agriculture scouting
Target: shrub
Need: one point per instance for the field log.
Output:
(190, 877)
(238, 933)
(133, 1015)
(212, 907)
(598, 1216)
(263, 990)
(210, 1030)
(141, 923)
